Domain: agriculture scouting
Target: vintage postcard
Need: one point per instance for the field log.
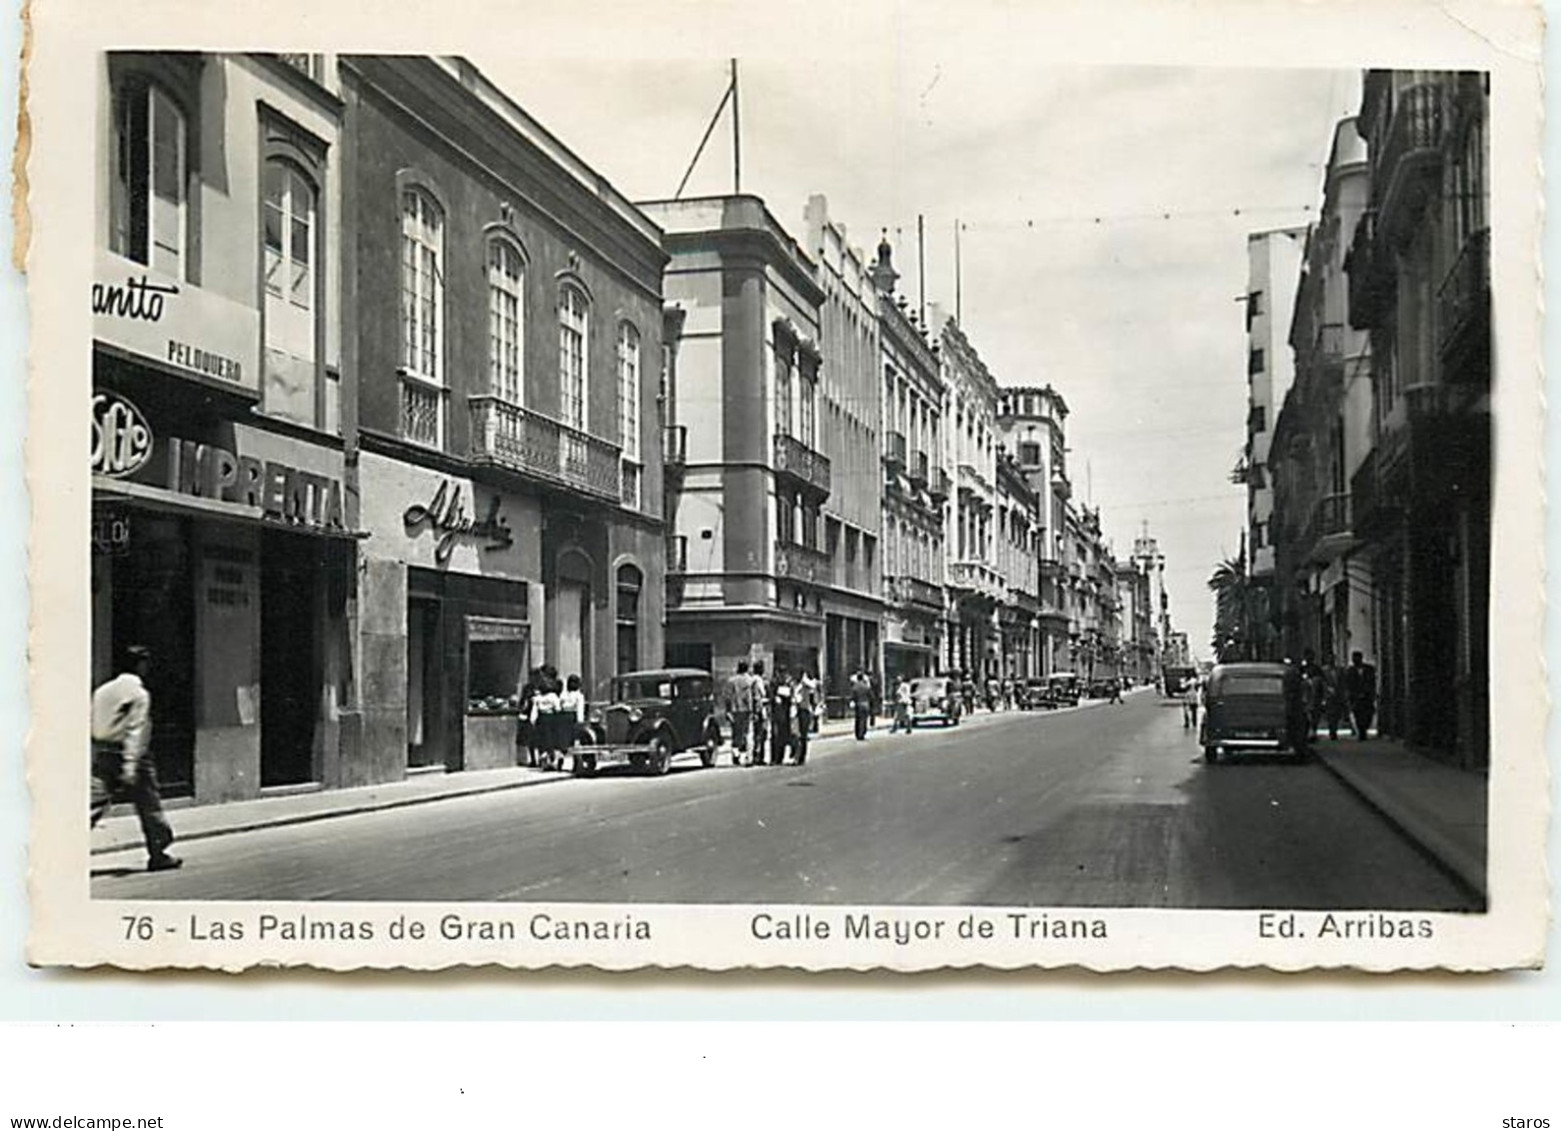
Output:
(893, 486)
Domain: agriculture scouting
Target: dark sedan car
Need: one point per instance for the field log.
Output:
(653, 716)
(1253, 708)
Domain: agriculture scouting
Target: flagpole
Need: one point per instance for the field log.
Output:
(737, 147)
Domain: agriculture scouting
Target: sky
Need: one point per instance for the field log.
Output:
(1103, 217)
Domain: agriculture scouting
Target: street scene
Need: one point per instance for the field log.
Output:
(484, 508)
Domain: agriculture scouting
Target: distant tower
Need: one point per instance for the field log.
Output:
(883, 274)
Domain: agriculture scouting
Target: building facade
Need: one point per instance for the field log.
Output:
(753, 565)
(1273, 267)
(1419, 285)
(224, 537)
(915, 482)
(849, 430)
(1033, 423)
(506, 344)
(1323, 590)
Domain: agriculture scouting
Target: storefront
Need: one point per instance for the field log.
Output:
(223, 548)
(451, 617)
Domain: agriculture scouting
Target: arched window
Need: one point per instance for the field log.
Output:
(629, 410)
(422, 318)
(573, 327)
(506, 321)
(289, 262)
(148, 198)
(630, 584)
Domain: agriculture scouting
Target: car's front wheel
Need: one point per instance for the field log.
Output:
(661, 755)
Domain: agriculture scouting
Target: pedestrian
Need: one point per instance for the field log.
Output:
(571, 705)
(761, 712)
(861, 702)
(806, 699)
(1336, 704)
(1115, 687)
(525, 730)
(1192, 689)
(904, 701)
(1008, 693)
(1360, 681)
(968, 687)
(782, 717)
(739, 698)
(544, 721)
(811, 694)
(991, 693)
(123, 766)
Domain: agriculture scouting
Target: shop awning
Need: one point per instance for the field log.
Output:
(176, 502)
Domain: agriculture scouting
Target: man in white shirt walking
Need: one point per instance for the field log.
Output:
(122, 764)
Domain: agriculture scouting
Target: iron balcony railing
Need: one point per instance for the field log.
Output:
(1409, 167)
(1332, 515)
(517, 438)
(938, 487)
(910, 590)
(797, 562)
(894, 449)
(918, 471)
(796, 460)
(1464, 299)
(677, 553)
(978, 577)
(422, 412)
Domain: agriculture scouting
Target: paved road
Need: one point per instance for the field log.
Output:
(1104, 806)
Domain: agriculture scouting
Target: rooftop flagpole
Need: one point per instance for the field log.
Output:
(729, 96)
(737, 139)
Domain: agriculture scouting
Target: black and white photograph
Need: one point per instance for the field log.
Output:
(892, 499)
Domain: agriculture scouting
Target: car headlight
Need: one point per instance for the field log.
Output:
(635, 714)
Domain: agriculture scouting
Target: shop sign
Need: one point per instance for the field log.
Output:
(280, 491)
(446, 515)
(110, 532)
(187, 328)
(121, 437)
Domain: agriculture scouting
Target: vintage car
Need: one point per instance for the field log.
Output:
(1174, 679)
(1034, 694)
(1253, 708)
(653, 717)
(935, 697)
(1063, 688)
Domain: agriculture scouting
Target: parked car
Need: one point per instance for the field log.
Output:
(652, 717)
(935, 697)
(1035, 694)
(1253, 708)
(1064, 687)
(1175, 678)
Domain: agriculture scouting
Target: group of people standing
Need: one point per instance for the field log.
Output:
(1337, 695)
(551, 713)
(771, 720)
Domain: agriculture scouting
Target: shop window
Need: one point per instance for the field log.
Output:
(573, 376)
(506, 321)
(498, 653)
(148, 205)
(630, 585)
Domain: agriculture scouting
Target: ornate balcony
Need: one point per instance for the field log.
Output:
(907, 590)
(1409, 167)
(516, 438)
(978, 578)
(1329, 532)
(674, 446)
(1464, 312)
(918, 470)
(1052, 569)
(677, 553)
(796, 461)
(938, 486)
(797, 562)
(894, 450)
(1370, 269)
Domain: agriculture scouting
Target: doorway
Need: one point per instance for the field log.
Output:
(290, 566)
(425, 746)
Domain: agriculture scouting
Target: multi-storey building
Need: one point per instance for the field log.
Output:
(1032, 420)
(916, 482)
(1323, 591)
(1018, 539)
(507, 322)
(1273, 263)
(1419, 283)
(1137, 644)
(752, 565)
(223, 518)
(976, 588)
(848, 434)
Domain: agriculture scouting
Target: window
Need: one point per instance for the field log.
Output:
(808, 388)
(150, 171)
(422, 286)
(630, 584)
(573, 312)
(1257, 418)
(422, 318)
(629, 391)
(506, 321)
(288, 257)
(1254, 307)
(783, 362)
(1030, 454)
(785, 518)
(1255, 361)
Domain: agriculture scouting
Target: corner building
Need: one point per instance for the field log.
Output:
(751, 566)
(507, 343)
(223, 535)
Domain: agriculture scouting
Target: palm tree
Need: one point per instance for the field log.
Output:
(1232, 612)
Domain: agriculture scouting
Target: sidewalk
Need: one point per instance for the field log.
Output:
(1440, 807)
(120, 830)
